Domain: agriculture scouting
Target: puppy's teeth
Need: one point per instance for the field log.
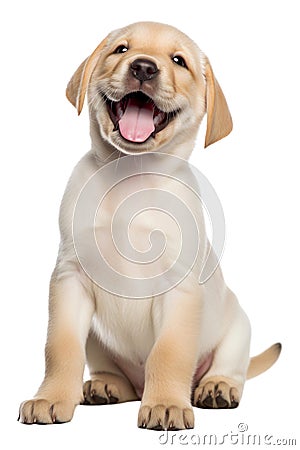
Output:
(119, 110)
(158, 118)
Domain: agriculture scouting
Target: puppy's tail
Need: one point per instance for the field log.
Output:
(262, 362)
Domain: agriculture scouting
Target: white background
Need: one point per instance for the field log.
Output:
(254, 50)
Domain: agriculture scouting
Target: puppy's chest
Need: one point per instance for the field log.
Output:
(134, 230)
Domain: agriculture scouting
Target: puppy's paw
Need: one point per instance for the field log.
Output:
(217, 393)
(42, 411)
(107, 388)
(163, 417)
(96, 392)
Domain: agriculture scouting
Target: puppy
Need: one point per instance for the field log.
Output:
(148, 88)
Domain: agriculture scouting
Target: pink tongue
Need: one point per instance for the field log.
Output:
(136, 124)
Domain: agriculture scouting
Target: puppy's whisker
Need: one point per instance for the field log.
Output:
(96, 101)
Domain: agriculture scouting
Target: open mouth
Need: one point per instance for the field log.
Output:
(137, 117)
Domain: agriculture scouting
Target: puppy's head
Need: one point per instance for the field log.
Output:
(149, 86)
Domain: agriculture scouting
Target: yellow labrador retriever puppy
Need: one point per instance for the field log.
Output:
(148, 87)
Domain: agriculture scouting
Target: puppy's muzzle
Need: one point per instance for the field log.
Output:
(143, 69)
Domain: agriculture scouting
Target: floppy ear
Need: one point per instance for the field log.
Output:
(79, 82)
(219, 122)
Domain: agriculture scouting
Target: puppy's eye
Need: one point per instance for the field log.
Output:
(121, 49)
(179, 61)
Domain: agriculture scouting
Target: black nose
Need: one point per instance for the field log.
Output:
(143, 69)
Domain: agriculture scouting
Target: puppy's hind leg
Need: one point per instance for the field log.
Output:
(108, 384)
(222, 385)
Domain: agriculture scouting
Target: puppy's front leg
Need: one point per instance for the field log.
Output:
(166, 402)
(70, 313)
